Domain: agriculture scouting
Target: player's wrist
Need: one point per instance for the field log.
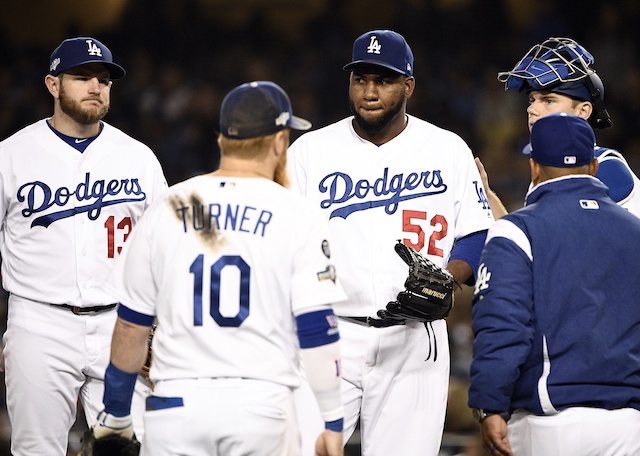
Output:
(118, 391)
(482, 414)
(335, 426)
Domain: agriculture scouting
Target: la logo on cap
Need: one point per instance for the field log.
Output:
(94, 49)
(374, 46)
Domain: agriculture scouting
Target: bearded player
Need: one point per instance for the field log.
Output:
(71, 189)
(380, 176)
(234, 267)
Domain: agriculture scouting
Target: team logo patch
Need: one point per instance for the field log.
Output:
(589, 204)
(93, 49)
(482, 283)
(374, 46)
(328, 274)
(325, 248)
(283, 118)
(54, 64)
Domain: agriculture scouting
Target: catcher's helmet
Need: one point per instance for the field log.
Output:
(560, 65)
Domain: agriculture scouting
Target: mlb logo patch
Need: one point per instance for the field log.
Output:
(589, 204)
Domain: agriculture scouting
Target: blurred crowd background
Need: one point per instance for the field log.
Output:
(183, 56)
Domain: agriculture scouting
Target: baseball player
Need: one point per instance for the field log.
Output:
(232, 265)
(556, 338)
(558, 76)
(380, 176)
(71, 189)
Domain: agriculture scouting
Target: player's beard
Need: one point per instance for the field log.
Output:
(82, 116)
(371, 128)
(280, 175)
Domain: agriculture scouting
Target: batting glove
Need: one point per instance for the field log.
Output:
(108, 424)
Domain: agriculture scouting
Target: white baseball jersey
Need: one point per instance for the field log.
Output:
(421, 187)
(65, 215)
(225, 264)
(631, 202)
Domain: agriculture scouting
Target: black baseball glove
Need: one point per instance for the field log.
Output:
(428, 293)
(111, 445)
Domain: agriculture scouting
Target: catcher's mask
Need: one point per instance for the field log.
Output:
(560, 65)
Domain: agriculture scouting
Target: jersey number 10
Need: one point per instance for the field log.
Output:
(197, 269)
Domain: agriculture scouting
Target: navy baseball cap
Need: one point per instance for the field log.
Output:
(384, 48)
(562, 140)
(574, 89)
(83, 50)
(258, 108)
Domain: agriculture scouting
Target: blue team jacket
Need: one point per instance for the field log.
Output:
(556, 309)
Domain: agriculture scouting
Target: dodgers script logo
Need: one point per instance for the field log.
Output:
(40, 197)
(341, 189)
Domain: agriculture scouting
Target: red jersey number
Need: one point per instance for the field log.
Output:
(437, 221)
(124, 226)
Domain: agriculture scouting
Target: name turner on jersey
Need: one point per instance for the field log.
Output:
(228, 217)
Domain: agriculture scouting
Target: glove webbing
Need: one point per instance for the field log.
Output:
(421, 268)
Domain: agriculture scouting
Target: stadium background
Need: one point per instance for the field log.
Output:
(182, 56)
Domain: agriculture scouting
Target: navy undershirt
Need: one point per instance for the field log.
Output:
(80, 144)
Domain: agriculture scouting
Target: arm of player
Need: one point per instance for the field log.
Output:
(494, 436)
(330, 444)
(616, 175)
(128, 353)
(465, 258)
(320, 349)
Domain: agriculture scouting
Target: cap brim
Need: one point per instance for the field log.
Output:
(355, 63)
(115, 70)
(298, 123)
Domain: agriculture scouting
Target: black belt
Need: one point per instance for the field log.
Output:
(372, 321)
(386, 322)
(85, 310)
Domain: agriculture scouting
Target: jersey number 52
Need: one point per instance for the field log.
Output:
(440, 224)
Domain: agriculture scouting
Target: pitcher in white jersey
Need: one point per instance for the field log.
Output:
(71, 189)
(379, 176)
(558, 76)
(238, 271)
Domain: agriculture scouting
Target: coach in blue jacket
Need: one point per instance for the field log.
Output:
(556, 311)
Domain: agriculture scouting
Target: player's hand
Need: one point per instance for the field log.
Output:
(329, 443)
(494, 436)
(107, 424)
(497, 208)
(483, 174)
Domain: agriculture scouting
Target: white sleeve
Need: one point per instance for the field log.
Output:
(314, 281)
(131, 279)
(322, 365)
